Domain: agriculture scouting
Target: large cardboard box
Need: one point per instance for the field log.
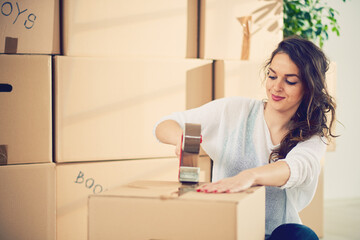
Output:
(313, 215)
(76, 181)
(239, 78)
(222, 32)
(30, 27)
(331, 81)
(25, 109)
(154, 210)
(106, 108)
(27, 202)
(157, 28)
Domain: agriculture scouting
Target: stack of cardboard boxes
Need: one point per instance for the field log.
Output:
(30, 33)
(76, 118)
(125, 66)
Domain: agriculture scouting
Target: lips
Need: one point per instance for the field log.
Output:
(276, 98)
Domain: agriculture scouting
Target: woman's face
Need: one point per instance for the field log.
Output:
(284, 87)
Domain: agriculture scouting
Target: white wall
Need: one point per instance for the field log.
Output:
(342, 167)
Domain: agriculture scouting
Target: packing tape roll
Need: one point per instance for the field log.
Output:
(192, 138)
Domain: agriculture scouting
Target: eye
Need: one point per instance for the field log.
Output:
(290, 83)
(272, 77)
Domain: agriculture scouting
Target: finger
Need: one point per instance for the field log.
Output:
(177, 151)
(224, 188)
(207, 187)
(217, 188)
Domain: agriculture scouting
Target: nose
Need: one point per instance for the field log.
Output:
(278, 85)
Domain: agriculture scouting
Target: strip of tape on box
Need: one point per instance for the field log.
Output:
(11, 45)
(3, 154)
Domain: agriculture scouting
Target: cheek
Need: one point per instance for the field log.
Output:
(298, 94)
(267, 85)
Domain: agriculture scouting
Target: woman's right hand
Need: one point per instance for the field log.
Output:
(170, 132)
(178, 147)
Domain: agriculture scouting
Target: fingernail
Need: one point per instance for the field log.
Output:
(215, 191)
(198, 190)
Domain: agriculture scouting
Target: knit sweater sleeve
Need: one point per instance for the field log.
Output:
(208, 115)
(304, 163)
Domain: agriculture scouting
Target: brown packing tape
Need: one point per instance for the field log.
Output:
(3, 154)
(191, 145)
(192, 138)
(189, 159)
(11, 45)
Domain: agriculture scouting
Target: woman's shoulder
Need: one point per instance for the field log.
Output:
(315, 144)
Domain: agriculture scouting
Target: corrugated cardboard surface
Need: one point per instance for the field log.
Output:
(313, 215)
(152, 210)
(106, 108)
(76, 181)
(25, 111)
(331, 81)
(27, 202)
(130, 28)
(33, 25)
(221, 33)
(239, 78)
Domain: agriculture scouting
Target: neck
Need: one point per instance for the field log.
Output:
(277, 122)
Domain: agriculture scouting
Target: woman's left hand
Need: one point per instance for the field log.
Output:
(238, 183)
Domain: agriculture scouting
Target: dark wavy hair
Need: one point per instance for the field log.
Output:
(311, 118)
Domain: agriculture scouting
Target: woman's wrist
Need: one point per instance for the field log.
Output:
(251, 174)
(273, 174)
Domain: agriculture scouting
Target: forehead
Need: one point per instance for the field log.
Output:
(282, 64)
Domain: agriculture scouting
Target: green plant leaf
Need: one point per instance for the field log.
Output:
(310, 19)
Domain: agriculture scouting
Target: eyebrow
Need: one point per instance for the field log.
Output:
(288, 75)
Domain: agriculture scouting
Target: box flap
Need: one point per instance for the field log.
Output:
(170, 190)
(146, 189)
(223, 197)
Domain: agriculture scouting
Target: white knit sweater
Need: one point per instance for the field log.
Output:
(236, 137)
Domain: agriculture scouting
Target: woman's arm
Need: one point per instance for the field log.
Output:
(170, 132)
(301, 167)
(274, 174)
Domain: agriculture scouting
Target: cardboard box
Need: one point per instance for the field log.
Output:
(331, 80)
(25, 109)
(157, 28)
(313, 215)
(239, 78)
(30, 27)
(106, 108)
(153, 210)
(222, 33)
(76, 181)
(27, 202)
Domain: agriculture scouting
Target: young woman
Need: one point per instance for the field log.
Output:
(278, 142)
